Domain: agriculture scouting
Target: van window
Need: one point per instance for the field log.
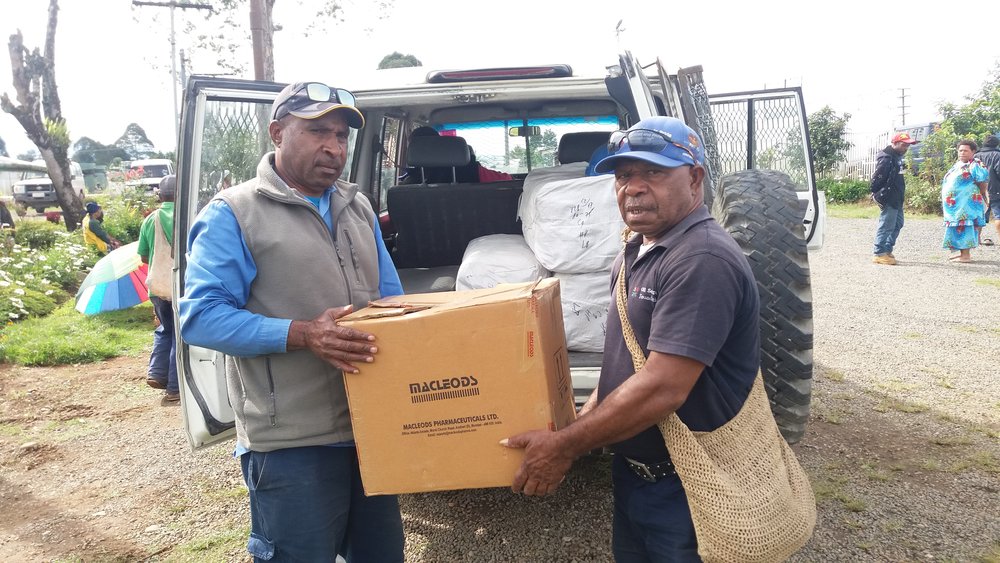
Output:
(497, 150)
(152, 170)
(386, 168)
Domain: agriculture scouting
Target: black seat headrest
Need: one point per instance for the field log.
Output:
(577, 147)
(437, 151)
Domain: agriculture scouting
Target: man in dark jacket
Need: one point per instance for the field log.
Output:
(888, 192)
(989, 155)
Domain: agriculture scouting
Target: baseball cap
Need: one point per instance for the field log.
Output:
(92, 207)
(904, 138)
(168, 186)
(310, 100)
(664, 141)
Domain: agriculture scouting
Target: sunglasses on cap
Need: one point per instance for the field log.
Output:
(647, 140)
(311, 93)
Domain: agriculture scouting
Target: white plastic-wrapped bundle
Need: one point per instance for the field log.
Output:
(497, 259)
(585, 302)
(571, 221)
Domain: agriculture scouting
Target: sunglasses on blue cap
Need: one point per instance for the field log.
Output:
(311, 93)
(647, 140)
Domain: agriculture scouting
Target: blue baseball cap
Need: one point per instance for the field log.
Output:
(92, 207)
(663, 141)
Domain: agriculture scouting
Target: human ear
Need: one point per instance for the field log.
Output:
(274, 129)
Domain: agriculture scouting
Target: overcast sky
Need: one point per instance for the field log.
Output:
(113, 59)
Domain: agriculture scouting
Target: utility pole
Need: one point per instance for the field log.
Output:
(902, 104)
(173, 43)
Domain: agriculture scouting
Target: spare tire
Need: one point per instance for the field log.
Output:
(761, 210)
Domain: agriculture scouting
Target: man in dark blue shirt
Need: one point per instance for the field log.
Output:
(692, 303)
(889, 192)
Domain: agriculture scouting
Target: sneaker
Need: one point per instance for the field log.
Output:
(156, 383)
(170, 398)
(884, 259)
(889, 254)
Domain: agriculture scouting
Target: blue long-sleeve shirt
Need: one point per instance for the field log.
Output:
(217, 283)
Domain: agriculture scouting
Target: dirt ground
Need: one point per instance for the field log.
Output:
(93, 468)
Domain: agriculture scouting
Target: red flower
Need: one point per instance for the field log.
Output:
(966, 175)
(950, 200)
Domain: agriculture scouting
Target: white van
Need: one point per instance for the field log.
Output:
(35, 188)
(148, 172)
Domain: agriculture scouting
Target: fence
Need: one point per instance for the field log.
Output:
(859, 163)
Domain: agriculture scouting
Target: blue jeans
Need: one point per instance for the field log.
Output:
(163, 359)
(652, 522)
(307, 504)
(890, 222)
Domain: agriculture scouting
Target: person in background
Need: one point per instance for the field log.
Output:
(679, 263)
(963, 201)
(889, 190)
(269, 298)
(6, 219)
(156, 237)
(989, 156)
(226, 181)
(93, 230)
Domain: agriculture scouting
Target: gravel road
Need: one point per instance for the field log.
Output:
(903, 443)
(903, 446)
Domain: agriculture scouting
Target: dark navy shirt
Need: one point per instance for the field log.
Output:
(692, 294)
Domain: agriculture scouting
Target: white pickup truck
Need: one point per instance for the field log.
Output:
(519, 119)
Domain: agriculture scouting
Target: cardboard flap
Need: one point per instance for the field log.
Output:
(400, 305)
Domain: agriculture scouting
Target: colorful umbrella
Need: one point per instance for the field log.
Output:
(118, 281)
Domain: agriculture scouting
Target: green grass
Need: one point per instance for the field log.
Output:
(68, 337)
(991, 556)
(214, 547)
(866, 210)
(988, 281)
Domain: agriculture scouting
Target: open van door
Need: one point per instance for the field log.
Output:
(223, 128)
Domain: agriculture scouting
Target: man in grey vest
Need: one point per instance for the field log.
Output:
(273, 264)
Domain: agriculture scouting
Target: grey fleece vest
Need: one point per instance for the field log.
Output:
(296, 399)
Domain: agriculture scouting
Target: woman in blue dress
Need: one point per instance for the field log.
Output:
(963, 199)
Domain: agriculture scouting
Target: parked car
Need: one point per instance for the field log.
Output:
(518, 118)
(148, 172)
(35, 187)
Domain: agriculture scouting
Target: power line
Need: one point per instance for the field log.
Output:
(173, 44)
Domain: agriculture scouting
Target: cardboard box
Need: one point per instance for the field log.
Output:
(457, 372)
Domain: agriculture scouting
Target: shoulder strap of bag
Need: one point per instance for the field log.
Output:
(161, 231)
(621, 292)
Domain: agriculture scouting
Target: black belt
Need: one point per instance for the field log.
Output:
(651, 472)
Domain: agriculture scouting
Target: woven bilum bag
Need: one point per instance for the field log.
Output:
(750, 500)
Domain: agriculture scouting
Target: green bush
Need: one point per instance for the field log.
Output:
(62, 265)
(123, 215)
(844, 191)
(38, 234)
(19, 302)
(67, 337)
(922, 196)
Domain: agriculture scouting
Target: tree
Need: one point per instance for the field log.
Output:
(543, 150)
(29, 156)
(826, 138)
(3, 148)
(86, 149)
(974, 120)
(398, 60)
(34, 73)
